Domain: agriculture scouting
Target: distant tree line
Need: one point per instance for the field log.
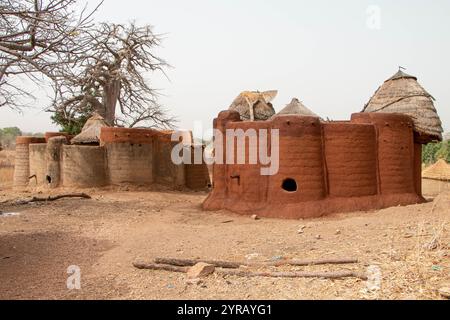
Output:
(435, 151)
(8, 136)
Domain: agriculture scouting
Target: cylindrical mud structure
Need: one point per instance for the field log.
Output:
(84, 166)
(301, 167)
(130, 154)
(38, 164)
(53, 158)
(246, 185)
(165, 171)
(351, 159)
(197, 175)
(395, 151)
(22, 160)
(218, 194)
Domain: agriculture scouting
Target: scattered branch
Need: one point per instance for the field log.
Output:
(46, 199)
(236, 265)
(245, 273)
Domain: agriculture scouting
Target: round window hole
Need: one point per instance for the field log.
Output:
(289, 185)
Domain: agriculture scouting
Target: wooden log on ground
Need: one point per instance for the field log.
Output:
(164, 267)
(45, 199)
(193, 262)
(297, 274)
(236, 265)
(245, 273)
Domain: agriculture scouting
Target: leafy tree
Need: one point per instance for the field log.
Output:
(72, 124)
(8, 136)
(435, 151)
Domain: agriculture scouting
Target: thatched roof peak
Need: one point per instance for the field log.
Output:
(401, 75)
(296, 107)
(438, 171)
(90, 134)
(257, 102)
(403, 94)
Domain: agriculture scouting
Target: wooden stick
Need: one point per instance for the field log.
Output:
(164, 267)
(236, 265)
(49, 198)
(297, 262)
(324, 275)
(244, 273)
(193, 262)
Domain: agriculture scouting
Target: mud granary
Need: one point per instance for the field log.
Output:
(122, 156)
(372, 161)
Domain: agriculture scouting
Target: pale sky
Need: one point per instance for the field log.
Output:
(329, 54)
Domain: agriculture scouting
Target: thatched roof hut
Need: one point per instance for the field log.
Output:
(403, 94)
(258, 103)
(296, 107)
(90, 134)
(438, 171)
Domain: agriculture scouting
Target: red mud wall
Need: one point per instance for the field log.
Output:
(368, 163)
(301, 159)
(244, 183)
(395, 151)
(350, 152)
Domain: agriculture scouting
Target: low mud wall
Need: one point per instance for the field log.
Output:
(84, 166)
(129, 155)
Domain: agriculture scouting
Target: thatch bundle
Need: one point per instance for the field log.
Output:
(90, 134)
(439, 171)
(255, 105)
(297, 108)
(403, 94)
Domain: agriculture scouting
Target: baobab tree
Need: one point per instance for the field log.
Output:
(36, 38)
(108, 77)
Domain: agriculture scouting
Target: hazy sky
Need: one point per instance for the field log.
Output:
(332, 55)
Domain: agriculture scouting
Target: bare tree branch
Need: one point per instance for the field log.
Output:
(36, 38)
(108, 76)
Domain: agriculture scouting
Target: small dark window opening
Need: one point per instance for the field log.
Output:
(49, 179)
(289, 185)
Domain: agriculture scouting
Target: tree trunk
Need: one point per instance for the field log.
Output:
(111, 92)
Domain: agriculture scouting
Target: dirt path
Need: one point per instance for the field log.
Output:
(103, 236)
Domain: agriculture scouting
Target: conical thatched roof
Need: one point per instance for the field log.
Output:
(403, 94)
(91, 131)
(297, 108)
(438, 171)
(259, 101)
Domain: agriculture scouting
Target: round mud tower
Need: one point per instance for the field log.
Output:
(395, 151)
(301, 161)
(22, 160)
(38, 164)
(53, 157)
(350, 153)
(84, 166)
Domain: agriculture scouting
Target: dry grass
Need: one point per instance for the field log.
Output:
(6, 167)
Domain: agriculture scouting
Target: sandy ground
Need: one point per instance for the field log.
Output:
(105, 235)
